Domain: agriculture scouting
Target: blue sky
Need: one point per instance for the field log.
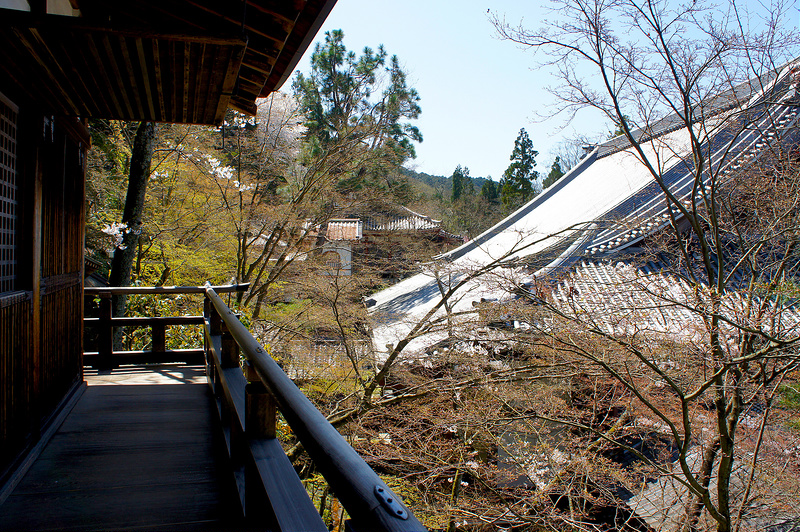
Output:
(476, 90)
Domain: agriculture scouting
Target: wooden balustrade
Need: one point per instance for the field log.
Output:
(249, 389)
(268, 486)
(105, 357)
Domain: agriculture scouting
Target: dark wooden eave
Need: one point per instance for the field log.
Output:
(158, 60)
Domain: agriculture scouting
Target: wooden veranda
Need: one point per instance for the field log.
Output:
(137, 452)
(64, 62)
(191, 447)
(117, 456)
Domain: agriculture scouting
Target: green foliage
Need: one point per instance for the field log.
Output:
(555, 173)
(412, 497)
(489, 191)
(790, 396)
(619, 128)
(361, 102)
(790, 399)
(462, 183)
(152, 305)
(517, 185)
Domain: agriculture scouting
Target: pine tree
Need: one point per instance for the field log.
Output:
(462, 183)
(361, 104)
(555, 173)
(489, 191)
(518, 182)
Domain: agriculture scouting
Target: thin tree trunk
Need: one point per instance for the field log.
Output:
(695, 508)
(124, 254)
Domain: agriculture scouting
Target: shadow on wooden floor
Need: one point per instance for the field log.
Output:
(138, 452)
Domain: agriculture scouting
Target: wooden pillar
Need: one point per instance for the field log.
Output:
(159, 338)
(80, 195)
(260, 408)
(210, 367)
(215, 320)
(260, 423)
(230, 351)
(105, 335)
(36, 269)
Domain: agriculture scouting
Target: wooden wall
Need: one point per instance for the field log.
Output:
(61, 285)
(17, 403)
(41, 345)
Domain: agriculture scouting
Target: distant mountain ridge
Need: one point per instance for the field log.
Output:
(445, 184)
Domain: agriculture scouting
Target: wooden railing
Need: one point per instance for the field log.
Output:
(367, 499)
(105, 357)
(249, 389)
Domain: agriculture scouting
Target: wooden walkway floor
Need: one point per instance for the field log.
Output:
(136, 453)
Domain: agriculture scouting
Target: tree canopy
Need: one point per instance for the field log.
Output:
(517, 185)
(555, 174)
(362, 103)
(462, 183)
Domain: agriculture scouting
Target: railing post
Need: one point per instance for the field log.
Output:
(208, 309)
(159, 338)
(260, 414)
(105, 338)
(260, 408)
(230, 350)
(215, 319)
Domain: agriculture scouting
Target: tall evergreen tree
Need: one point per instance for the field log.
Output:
(519, 178)
(462, 183)
(555, 173)
(489, 191)
(358, 103)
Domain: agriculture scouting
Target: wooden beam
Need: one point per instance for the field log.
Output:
(117, 75)
(62, 60)
(258, 63)
(286, 12)
(145, 77)
(218, 71)
(308, 23)
(159, 79)
(187, 356)
(145, 321)
(267, 24)
(198, 84)
(34, 54)
(187, 52)
(133, 89)
(100, 74)
(154, 29)
(220, 289)
(245, 106)
(229, 83)
(174, 61)
(22, 76)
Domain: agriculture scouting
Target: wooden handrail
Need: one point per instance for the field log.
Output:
(367, 499)
(121, 290)
(146, 321)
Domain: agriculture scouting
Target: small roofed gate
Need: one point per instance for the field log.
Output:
(42, 160)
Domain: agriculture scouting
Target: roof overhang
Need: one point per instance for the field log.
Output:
(158, 60)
